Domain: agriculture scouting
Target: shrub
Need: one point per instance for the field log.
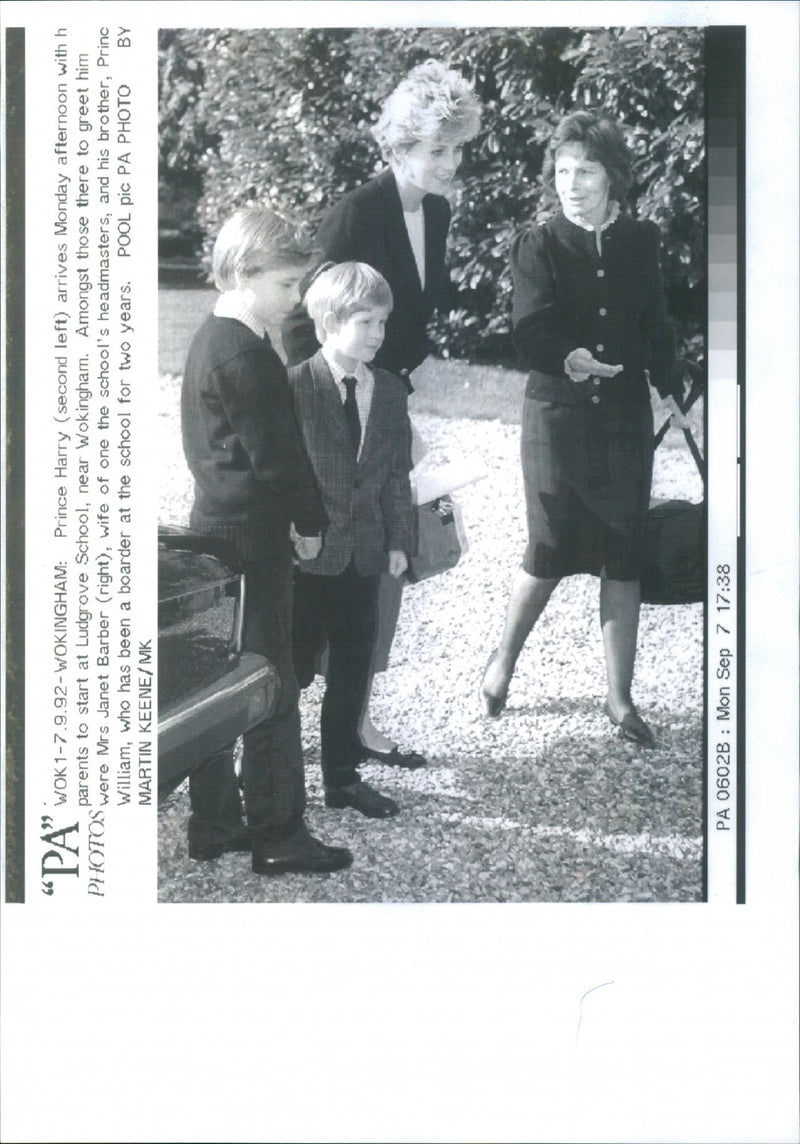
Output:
(282, 116)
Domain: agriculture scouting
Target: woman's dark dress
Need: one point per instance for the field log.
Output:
(587, 447)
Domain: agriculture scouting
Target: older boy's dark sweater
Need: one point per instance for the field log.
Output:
(240, 436)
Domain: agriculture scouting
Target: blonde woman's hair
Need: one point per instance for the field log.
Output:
(431, 101)
(255, 239)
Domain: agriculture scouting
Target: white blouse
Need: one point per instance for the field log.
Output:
(415, 225)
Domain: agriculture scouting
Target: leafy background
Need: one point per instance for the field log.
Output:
(282, 116)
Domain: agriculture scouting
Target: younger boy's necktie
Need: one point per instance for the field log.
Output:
(351, 412)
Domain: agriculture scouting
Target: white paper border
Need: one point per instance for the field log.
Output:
(160, 1023)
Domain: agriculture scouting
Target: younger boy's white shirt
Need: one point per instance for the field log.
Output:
(364, 389)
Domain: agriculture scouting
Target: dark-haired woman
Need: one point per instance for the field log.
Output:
(590, 325)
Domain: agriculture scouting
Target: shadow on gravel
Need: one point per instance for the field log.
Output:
(545, 804)
(591, 821)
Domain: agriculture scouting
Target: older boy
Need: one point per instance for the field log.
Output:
(355, 426)
(252, 483)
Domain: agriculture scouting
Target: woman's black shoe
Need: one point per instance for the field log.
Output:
(493, 705)
(632, 727)
(410, 760)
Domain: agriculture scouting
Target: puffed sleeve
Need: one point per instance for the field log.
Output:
(539, 335)
(655, 325)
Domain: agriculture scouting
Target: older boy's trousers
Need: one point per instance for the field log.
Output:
(273, 778)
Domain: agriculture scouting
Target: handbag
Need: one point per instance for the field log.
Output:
(441, 536)
(675, 535)
(440, 539)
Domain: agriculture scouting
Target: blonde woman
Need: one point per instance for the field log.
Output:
(397, 223)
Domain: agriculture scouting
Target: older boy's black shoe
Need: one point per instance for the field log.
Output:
(362, 798)
(204, 851)
(302, 854)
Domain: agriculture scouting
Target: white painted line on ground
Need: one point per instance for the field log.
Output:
(678, 846)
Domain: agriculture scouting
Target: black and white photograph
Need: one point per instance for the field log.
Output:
(400, 571)
(518, 727)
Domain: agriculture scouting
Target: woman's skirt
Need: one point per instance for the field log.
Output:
(587, 470)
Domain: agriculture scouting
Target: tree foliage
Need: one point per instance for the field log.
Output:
(282, 116)
(183, 139)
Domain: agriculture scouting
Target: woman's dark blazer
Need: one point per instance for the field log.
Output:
(567, 296)
(592, 438)
(367, 225)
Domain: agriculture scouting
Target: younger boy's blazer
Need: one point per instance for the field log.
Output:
(368, 501)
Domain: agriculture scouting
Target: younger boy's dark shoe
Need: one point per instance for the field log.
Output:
(202, 850)
(301, 854)
(362, 798)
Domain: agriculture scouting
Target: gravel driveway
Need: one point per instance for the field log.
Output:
(545, 804)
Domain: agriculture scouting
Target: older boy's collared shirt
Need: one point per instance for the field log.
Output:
(364, 389)
(231, 305)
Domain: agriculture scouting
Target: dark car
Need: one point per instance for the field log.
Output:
(209, 690)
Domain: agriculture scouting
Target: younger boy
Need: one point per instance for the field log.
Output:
(252, 483)
(355, 426)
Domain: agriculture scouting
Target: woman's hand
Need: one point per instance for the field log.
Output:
(398, 562)
(678, 419)
(580, 364)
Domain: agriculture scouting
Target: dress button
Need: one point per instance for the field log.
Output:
(595, 381)
(602, 311)
(601, 273)
(595, 400)
(600, 347)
